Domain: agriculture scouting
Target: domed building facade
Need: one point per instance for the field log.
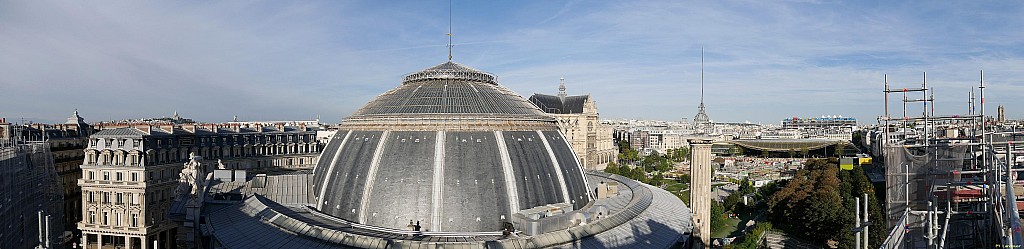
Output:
(450, 149)
(447, 159)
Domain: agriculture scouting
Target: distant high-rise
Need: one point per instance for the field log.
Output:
(1001, 117)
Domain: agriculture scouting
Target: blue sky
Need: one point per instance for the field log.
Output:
(275, 60)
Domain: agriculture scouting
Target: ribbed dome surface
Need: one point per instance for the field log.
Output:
(449, 88)
(451, 149)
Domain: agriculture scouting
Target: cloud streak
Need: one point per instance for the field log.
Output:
(639, 59)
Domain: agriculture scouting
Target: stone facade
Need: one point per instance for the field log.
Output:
(578, 119)
(130, 172)
(700, 194)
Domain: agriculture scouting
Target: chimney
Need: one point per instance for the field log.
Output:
(236, 128)
(190, 128)
(168, 127)
(148, 129)
(279, 126)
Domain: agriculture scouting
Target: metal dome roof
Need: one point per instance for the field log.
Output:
(450, 70)
(446, 90)
(450, 148)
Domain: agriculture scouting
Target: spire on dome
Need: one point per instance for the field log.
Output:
(561, 88)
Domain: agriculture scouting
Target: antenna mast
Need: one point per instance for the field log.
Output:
(449, 30)
(702, 76)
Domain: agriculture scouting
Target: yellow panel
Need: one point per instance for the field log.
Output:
(846, 166)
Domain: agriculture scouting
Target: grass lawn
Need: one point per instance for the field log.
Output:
(734, 227)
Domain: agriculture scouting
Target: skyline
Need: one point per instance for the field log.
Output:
(640, 60)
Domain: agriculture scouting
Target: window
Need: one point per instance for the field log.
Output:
(120, 143)
(92, 217)
(92, 175)
(106, 218)
(120, 199)
(119, 176)
(135, 177)
(91, 197)
(106, 176)
(117, 220)
(135, 220)
(106, 197)
(131, 199)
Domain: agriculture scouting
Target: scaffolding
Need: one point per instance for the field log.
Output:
(31, 196)
(948, 184)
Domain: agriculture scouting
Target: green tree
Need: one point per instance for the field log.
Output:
(805, 151)
(680, 154)
(792, 153)
(612, 168)
(717, 216)
(746, 186)
(657, 179)
(818, 203)
(840, 148)
(737, 150)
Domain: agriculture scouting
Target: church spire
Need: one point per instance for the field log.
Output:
(561, 88)
(701, 122)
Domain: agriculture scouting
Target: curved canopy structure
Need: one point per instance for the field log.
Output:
(784, 145)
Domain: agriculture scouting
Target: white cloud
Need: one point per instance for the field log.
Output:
(268, 60)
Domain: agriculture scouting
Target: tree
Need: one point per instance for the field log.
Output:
(613, 168)
(805, 151)
(657, 179)
(717, 216)
(680, 154)
(818, 203)
(840, 148)
(737, 150)
(746, 186)
(792, 153)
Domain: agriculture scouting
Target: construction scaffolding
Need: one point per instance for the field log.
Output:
(948, 184)
(31, 196)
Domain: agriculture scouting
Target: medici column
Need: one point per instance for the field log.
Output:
(700, 190)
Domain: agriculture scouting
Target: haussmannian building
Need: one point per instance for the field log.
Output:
(130, 172)
(578, 119)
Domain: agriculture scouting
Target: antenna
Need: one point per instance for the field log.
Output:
(701, 75)
(449, 30)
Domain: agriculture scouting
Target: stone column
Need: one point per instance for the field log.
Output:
(700, 190)
(84, 240)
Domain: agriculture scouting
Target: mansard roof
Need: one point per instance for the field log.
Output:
(557, 105)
